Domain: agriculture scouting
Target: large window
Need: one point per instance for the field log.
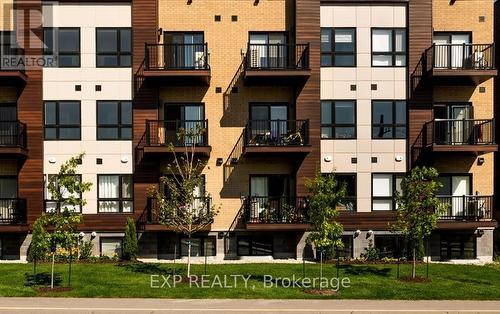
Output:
(114, 47)
(62, 120)
(389, 119)
(390, 246)
(115, 194)
(114, 120)
(388, 47)
(111, 246)
(338, 119)
(63, 44)
(200, 246)
(458, 246)
(383, 187)
(338, 47)
(255, 246)
(64, 205)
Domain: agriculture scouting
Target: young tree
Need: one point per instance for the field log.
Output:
(40, 243)
(326, 193)
(65, 189)
(181, 201)
(130, 245)
(418, 208)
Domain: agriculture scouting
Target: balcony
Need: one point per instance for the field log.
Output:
(460, 64)
(277, 64)
(177, 64)
(12, 211)
(467, 208)
(13, 139)
(468, 135)
(150, 220)
(266, 212)
(164, 137)
(265, 137)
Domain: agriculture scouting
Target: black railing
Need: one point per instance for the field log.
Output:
(347, 204)
(179, 133)
(467, 207)
(277, 56)
(268, 210)
(460, 132)
(277, 133)
(176, 57)
(151, 214)
(12, 211)
(12, 134)
(461, 56)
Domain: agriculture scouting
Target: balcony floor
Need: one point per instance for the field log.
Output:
(188, 77)
(199, 150)
(461, 77)
(254, 151)
(276, 77)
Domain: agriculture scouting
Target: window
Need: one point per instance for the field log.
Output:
(114, 120)
(62, 120)
(115, 194)
(185, 50)
(349, 202)
(63, 44)
(389, 47)
(51, 205)
(389, 119)
(111, 246)
(113, 47)
(338, 47)
(383, 187)
(338, 119)
(458, 246)
(202, 246)
(390, 246)
(255, 246)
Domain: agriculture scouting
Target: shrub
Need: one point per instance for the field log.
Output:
(130, 245)
(86, 248)
(39, 246)
(371, 252)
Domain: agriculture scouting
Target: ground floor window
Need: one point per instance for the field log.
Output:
(255, 245)
(344, 252)
(458, 246)
(111, 246)
(1, 248)
(200, 246)
(390, 246)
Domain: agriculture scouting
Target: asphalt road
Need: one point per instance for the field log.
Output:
(160, 306)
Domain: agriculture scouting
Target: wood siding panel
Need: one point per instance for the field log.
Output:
(307, 21)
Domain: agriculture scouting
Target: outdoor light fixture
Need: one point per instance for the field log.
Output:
(93, 235)
(480, 161)
(369, 234)
(219, 161)
(82, 234)
(52, 160)
(357, 233)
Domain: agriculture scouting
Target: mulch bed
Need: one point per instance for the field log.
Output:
(56, 289)
(417, 279)
(321, 292)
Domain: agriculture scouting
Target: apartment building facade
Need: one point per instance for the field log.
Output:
(284, 88)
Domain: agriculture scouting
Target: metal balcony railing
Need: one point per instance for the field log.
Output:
(461, 56)
(269, 210)
(151, 215)
(179, 133)
(12, 134)
(277, 133)
(460, 132)
(277, 57)
(12, 211)
(177, 57)
(467, 207)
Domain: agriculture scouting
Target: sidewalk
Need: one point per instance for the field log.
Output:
(158, 306)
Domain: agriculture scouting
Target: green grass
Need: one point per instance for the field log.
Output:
(367, 281)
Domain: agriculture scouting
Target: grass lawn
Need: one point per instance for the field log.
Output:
(366, 281)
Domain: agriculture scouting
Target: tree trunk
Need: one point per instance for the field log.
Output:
(52, 275)
(414, 266)
(34, 266)
(70, 260)
(320, 267)
(189, 258)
